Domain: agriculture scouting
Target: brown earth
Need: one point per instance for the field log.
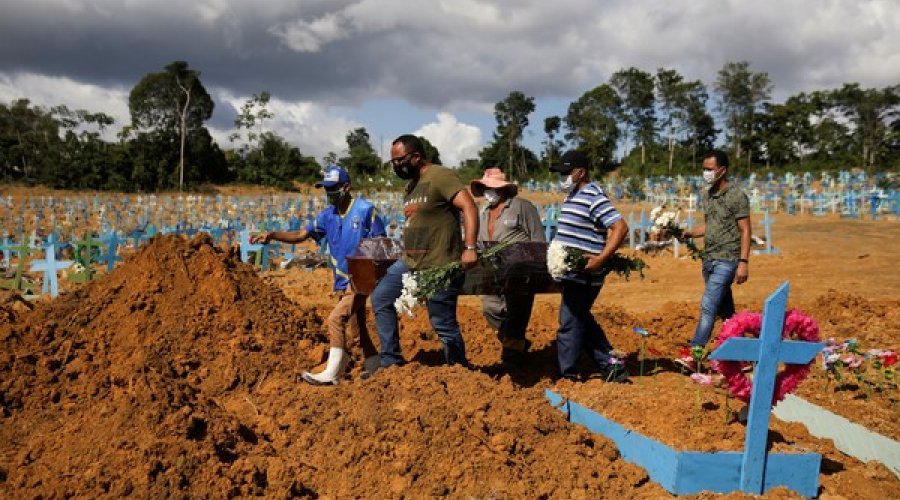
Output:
(176, 375)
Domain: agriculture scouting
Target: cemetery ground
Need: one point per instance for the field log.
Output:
(177, 375)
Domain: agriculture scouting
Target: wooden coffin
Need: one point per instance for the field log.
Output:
(522, 267)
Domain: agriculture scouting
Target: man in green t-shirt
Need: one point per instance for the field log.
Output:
(726, 249)
(435, 199)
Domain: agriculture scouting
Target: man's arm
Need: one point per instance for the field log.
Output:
(743, 269)
(282, 236)
(614, 237)
(697, 232)
(464, 202)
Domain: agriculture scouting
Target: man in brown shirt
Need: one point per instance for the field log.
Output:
(435, 199)
(506, 217)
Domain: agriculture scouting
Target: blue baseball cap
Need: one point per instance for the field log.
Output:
(334, 175)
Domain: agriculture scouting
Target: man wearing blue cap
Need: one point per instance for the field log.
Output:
(343, 223)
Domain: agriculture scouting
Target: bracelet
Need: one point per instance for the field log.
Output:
(745, 261)
(471, 247)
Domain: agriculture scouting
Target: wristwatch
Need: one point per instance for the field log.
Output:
(471, 247)
(745, 261)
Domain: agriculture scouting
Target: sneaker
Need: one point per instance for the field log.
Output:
(686, 360)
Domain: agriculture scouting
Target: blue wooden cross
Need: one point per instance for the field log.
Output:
(247, 247)
(137, 236)
(767, 224)
(766, 351)
(6, 248)
(49, 265)
(112, 248)
(644, 226)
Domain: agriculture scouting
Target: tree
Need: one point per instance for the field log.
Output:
(253, 113)
(592, 124)
(635, 88)
(682, 107)
(741, 93)
(432, 154)
(171, 102)
(362, 159)
(870, 111)
(552, 145)
(786, 130)
(701, 128)
(512, 117)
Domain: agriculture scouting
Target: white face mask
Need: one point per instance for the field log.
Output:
(710, 177)
(567, 185)
(491, 196)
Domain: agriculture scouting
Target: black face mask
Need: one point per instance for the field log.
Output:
(404, 171)
(335, 197)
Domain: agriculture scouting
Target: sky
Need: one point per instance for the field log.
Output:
(430, 67)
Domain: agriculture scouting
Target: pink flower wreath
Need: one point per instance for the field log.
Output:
(797, 326)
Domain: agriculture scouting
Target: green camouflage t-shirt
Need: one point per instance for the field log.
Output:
(432, 236)
(721, 211)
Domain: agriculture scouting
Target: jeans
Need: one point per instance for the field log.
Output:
(718, 276)
(578, 329)
(441, 313)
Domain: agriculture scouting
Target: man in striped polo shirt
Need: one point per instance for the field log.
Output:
(589, 222)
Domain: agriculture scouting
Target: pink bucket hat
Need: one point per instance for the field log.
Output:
(493, 178)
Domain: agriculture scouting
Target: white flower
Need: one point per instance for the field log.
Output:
(655, 213)
(407, 301)
(557, 254)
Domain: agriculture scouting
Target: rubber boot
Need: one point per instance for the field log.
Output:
(334, 369)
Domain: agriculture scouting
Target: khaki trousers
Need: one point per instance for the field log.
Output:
(350, 312)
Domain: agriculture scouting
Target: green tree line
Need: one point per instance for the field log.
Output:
(640, 122)
(658, 123)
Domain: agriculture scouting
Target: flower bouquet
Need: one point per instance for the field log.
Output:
(666, 222)
(420, 286)
(562, 260)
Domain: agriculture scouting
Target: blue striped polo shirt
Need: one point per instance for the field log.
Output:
(584, 218)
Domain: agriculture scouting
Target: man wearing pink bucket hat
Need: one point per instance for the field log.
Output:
(506, 217)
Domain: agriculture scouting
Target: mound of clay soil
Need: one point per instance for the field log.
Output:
(101, 385)
(12, 305)
(420, 431)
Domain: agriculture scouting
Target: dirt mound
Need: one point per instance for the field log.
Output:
(428, 431)
(844, 315)
(105, 380)
(12, 306)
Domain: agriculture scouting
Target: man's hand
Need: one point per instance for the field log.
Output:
(262, 238)
(594, 263)
(742, 273)
(469, 259)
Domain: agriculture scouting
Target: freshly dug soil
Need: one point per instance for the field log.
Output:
(177, 375)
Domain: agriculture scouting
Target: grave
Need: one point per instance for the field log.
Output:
(49, 266)
(753, 471)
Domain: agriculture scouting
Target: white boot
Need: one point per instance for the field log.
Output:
(371, 365)
(334, 369)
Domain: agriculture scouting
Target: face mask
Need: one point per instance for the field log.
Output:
(567, 184)
(404, 171)
(336, 197)
(491, 196)
(710, 177)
